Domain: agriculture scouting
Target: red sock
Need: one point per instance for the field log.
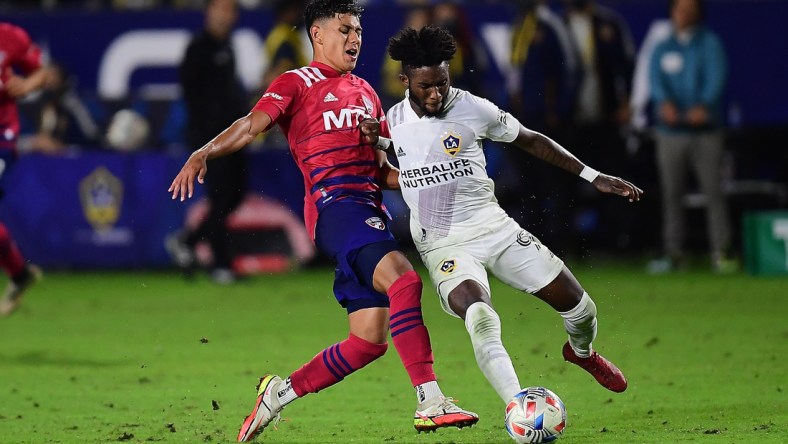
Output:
(408, 332)
(334, 363)
(11, 259)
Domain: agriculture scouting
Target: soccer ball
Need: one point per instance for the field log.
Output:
(535, 415)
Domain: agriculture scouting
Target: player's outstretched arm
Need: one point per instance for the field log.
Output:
(541, 146)
(232, 139)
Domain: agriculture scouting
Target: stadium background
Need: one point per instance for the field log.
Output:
(95, 208)
(139, 355)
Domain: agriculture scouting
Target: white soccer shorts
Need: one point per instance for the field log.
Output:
(512, 254)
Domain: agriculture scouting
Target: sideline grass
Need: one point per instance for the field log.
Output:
(149, 357)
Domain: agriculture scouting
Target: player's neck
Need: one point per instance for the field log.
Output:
(328, 64)
(416, 108)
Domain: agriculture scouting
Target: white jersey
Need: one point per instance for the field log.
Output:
(443, 173)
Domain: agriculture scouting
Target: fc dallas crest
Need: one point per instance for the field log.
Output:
(376, 222)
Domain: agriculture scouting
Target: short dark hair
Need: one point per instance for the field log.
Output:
(323, 9)
(430, 46)
(701, 5)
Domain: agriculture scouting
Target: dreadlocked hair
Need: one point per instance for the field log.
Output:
(324, 9)
(429, 46)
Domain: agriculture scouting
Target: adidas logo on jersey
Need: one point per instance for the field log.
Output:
(400, 152)
(330, 98)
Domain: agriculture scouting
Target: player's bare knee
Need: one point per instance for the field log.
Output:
(466, 294)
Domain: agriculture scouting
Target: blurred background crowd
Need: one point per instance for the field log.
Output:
(617, 82)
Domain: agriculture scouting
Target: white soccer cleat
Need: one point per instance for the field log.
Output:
(442, 412)
(14, 292)
(181, 254)
(266, 409)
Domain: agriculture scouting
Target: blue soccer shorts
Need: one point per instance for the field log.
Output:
(356, 236)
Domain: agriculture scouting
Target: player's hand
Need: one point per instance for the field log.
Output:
(617, 185)
(370, 130)
(16, 86)
(697, 116)
(183, 184)
(669, 113)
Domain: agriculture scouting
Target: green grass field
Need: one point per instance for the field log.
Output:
(149, 357)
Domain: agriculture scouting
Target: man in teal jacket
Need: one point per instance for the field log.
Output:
(687, 77)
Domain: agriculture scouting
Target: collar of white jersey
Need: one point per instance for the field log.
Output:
(447, 102)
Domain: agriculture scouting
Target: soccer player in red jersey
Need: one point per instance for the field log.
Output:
(319, 108)
(21, 73)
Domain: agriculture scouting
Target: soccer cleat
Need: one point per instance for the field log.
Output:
(181, 253)
(223, 276)
(442, 412)
(605, 372)
(13, 293)
(266, 409)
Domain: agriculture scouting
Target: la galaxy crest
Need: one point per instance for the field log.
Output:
(448, 266)
(451, 144)
(101, 194)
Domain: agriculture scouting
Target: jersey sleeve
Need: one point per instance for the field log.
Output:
(496, 124)
(28, 56)
(280, 97)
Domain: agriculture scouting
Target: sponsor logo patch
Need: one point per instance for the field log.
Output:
(273, 94)
(524, 239)
(376, 223)
(502, 116)
(330, 98)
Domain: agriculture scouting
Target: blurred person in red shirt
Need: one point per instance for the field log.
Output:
(21, 73)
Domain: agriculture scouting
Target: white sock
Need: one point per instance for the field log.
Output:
(484, 327)
(427, 391)
(286, 394)
(580, 323)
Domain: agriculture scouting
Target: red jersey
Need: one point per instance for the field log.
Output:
(17, 52)
(319, 110)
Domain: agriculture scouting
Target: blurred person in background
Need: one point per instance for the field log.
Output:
(284, 46)
(214, 98)
(319, 108)
(606, 50)
(284, 50)
(21, 72)
(687, 77)
(601, 112)
(542, 90)
(641, 117)
(416, 17)
(546, 64)
(468, 66)
(63, 118)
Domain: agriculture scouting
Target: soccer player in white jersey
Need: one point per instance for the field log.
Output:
(456, 222)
